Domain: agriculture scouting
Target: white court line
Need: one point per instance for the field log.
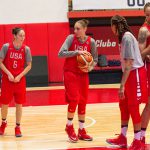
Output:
(93, 121)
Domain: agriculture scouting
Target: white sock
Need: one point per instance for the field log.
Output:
(4, 121)
(124, 131)
(81, 125)
(143, 132)
(137, 135)
(69, 122)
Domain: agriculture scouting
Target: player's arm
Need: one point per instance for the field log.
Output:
(64, 50)
(94, 53)
(2, 66)
(127, 68)
(128, 65)
(128, 56)
(142, 39)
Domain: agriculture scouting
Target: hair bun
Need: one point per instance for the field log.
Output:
(86, 21)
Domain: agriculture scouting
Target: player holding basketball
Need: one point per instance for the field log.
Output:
(133, 87)
(76, 82)
(144, 45)
(13, 58)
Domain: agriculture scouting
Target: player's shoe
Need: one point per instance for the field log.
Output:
(18, 132)
(71, 133)
(82, 135)
(2, 128)
(136, 145)
(120, 141)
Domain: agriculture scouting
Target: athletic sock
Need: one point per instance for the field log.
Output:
(69, 121)
(124, 129)
(137, 135)
(143, 132)
(81, 124)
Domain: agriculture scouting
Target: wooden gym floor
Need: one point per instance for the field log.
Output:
(44, 120)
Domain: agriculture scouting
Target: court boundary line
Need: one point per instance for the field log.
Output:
(95, 86)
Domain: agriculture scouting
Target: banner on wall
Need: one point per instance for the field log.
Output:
(108, 4)
(107, 44)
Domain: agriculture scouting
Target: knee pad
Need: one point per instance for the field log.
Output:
(72, 106)
(81, 109)
(124, 110)
(135, 114)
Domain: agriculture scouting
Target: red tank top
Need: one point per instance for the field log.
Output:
(14, 60)
(148, 27)
(71, 62)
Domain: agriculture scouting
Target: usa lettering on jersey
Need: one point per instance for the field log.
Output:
(14, 55)
(81, 47)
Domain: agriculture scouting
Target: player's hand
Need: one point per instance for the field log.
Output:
(121, 93)
(11, 77)
(91, 66)
(82, 52)
(85, 68)
(147, 58)
(17, 79)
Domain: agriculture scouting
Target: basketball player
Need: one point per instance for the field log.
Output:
(133, 87)
(13, 58)
(77, 82)
(144, 45)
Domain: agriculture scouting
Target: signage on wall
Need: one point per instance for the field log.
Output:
(108, 4)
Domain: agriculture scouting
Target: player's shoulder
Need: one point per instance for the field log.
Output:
(70, 39)
(70, 36)
(143, 29)
(5, 46)
(128, 37)
(27, 48)
(92, 40)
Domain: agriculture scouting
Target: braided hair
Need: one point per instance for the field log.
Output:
(121, 26)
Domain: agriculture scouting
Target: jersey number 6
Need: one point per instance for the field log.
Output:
(15, 64)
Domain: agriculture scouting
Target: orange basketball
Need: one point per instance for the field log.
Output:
(85, 59)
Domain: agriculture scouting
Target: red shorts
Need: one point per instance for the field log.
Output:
(136, 91)
(76, 86)
(148, 76)
(10, 90)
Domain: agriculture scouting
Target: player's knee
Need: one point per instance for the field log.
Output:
(72, 106)
(81, 109)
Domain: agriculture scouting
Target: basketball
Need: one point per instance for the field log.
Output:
(84, 60)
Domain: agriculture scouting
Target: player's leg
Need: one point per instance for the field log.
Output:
(20, 98)
(6, 97)
(18, 120)
(4, 112)
(72, 94)
(145, 117)
(84, 86)
(121, 139)
(133, 89)
(136, 119)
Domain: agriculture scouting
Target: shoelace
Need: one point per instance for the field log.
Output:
(18, 130)
(83, 131)
(72, 130)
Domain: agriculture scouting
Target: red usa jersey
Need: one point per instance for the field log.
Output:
(14, 60)
(71, 62)
(148, 27)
